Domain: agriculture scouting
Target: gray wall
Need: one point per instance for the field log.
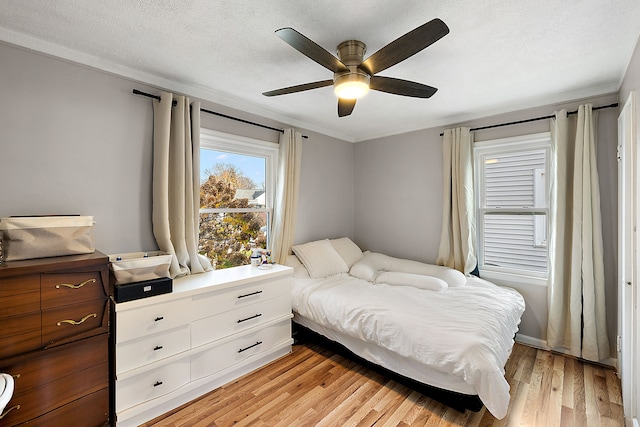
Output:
(398, 197)
(631, 79)
(76, 140)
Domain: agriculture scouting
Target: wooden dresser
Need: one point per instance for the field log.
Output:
(213, 328)
(54, 340)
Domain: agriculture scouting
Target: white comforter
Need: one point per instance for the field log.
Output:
(465, 331)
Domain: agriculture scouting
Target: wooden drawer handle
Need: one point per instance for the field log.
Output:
(249, 318)
(9, 410)
(248, 295)
(70, 286)
(80, 322)
(251, 346)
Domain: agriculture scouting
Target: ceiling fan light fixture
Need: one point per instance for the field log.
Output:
(352, 85)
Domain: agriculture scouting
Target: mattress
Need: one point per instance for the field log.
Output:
(458, 339)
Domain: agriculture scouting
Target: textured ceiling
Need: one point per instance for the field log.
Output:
(499, 56)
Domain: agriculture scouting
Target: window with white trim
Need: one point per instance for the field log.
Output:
(512, 199)
(237, 186)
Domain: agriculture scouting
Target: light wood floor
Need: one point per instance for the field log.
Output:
(315, 387)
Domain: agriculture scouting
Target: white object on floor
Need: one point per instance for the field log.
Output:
(6, 390)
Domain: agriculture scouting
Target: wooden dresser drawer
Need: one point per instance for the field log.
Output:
(88, 411)
(152, 319)
(19, 295)
(230, 322)
(47, 366)
(142, 351)
(151, 384)
(60, 289)
(54, 378)
(31, 403)
(218, 302)
(87, 318)
(19, 334)
(239, 348)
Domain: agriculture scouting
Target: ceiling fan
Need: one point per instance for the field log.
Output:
(353, 76)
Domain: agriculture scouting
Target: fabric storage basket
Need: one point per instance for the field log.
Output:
(46, 236)
(139, 266)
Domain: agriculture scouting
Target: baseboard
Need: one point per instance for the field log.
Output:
(532, 342)
(542, 344)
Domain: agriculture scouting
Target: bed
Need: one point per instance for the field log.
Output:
(426, 323)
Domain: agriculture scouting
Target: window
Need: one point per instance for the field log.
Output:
(237, 185)
(512, 198)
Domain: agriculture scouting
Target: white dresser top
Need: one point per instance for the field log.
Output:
(214, 280)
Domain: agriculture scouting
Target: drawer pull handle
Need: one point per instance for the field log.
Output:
(70, 286)
(248, 295)
(249, 318)
(158, 347)
(9, 410)
(157, 383)
(80, 322)
(159, 318)
(251, 346)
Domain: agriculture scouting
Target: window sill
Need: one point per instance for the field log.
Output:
(511, 278)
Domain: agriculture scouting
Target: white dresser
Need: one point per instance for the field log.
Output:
(213, 328)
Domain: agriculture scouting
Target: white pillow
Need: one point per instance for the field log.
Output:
(370, 265)
(348, 250)
(373, 263)
(320, 258)
(299, 270)
(409, 279)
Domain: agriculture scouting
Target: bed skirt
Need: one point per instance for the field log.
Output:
(458, 401)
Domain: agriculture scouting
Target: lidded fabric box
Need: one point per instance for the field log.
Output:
(46, 236)
(139, 266)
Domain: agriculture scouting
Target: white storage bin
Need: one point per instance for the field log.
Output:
(139, 266)
(46, 236)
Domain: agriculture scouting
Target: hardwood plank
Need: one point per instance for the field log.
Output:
(314, 387)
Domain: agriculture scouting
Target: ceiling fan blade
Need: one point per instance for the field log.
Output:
(311, 49)
(404, 47)
(299, 88)
(401, 87)
(345, 106)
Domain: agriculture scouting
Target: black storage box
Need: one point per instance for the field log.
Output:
(137, 290)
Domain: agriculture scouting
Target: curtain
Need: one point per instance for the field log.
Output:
(176, 182)
(577, 320)
(457, 239)
(283, 225)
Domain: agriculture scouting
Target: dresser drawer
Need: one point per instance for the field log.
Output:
(47, 366)
(32, 403)
(60, 289)
(151, 319)
(229, 299)
(19, 295)
(151, 384)
(12, 286)
(148, 349)
(215, 327)
(19, 334)
(88, 411)
(238, 349)
(86, 318)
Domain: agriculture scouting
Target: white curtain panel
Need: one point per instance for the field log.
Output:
(176, 182)
(283, 225)
(577, 318)
(457, 239)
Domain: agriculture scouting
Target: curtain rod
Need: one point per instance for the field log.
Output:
(535, 119)
(204, 110)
